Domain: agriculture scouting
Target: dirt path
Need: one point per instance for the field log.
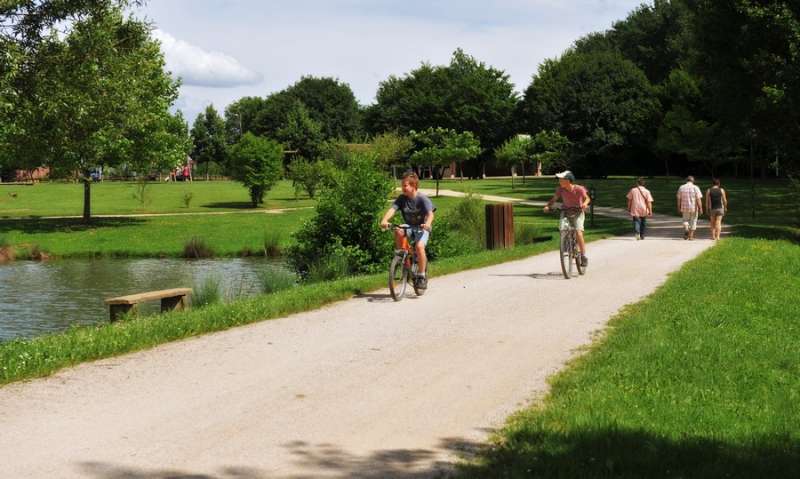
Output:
(363, 388)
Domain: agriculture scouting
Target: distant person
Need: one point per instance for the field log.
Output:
(187, 173)
(690, 205)
(640, 206)
(717, 206)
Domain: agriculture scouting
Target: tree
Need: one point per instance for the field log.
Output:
(98, 96)
(310, 175)
(390, 148)
(466, 95)
(747, 53)
(601, 102)
(439, 147)
(257, 163)
(331, 104)
(240, 117)
(516, 151)
(301, 133)
(550, 149)
(208, 138)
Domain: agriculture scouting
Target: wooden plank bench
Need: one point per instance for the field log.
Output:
(171, 300)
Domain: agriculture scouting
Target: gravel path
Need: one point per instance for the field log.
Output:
(362, 388)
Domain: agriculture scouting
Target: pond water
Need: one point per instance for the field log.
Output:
(42, 297)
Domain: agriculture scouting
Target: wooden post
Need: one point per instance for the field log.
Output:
(500, 226)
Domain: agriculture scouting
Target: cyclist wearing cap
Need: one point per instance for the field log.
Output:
(572, 196)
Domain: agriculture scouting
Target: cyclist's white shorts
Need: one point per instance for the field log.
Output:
(578, 221)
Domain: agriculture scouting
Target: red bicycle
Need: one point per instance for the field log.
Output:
(404, 267)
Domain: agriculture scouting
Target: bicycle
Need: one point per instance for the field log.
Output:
(569, 253)
(404, 266)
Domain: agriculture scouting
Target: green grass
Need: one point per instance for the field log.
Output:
(165, 236)
(227, 235)
(24, 359)
(701, 379)
(773, 199)
(117, 198)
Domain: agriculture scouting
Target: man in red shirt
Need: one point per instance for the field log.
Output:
(572, 196)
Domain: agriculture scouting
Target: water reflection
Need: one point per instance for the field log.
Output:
(38, 298)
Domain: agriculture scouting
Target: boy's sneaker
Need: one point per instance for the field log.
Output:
(638, 236)
(686, 234)
(421, 282)
(584, 261)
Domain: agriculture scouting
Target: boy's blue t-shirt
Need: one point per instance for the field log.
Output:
(414, 210)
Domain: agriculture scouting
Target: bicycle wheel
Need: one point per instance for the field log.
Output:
(565, 254)
(414, 269)
(398, 278)
(576, 250)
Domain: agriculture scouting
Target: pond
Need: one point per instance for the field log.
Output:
(43, 297)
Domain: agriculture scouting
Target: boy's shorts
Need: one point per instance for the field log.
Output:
(419, 235)
(577, 221)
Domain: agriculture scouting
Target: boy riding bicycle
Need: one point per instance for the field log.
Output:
(572, 196)
(417, 210)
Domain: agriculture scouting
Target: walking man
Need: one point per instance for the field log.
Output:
(640, 206)
(690, 205)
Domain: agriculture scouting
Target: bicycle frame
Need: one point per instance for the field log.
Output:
(404, 258)
(568, 248)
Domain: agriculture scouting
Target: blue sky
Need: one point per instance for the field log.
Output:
(224, 50)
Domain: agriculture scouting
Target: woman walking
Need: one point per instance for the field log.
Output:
(717, 206)
(640, 206)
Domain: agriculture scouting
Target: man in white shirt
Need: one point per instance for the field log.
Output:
(690, 206)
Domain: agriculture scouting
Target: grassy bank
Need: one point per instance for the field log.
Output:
(701, 379)
(117, 198)
(24, 359)
(166, 236)
(769, 202)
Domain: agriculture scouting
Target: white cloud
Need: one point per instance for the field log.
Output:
(198, 67)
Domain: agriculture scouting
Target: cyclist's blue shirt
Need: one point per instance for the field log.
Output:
(414, 210)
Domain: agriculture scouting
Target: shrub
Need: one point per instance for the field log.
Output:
(272, 243)
(187, 198)
(469, 218)
(208, 292)
(275, 279)
(525, 234)
(257, 163)
(310, 175)
(197, 248)
(345, 227)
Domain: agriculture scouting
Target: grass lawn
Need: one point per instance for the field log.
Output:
(774, 200)
(116, 198)
(227, 235)
(701, 379)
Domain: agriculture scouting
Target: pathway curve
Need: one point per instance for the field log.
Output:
(364, 388)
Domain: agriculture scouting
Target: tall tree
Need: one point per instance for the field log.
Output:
(439, 147)
(240, 117)
(301, 133)
(331, 104)
(466, 95)
(748, 52)
(208, 138)
(99, 96)
(601, 102)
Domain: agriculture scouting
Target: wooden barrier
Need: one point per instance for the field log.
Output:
(500, 226)
(171, 300)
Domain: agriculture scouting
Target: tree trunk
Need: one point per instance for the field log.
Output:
(87, 199)
(523, 172)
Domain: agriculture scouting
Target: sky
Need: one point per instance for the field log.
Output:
(226, 49)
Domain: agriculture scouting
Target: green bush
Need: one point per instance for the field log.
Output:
(468, 217)
(310, 176)
(208, 292)
(275, 279)
(257, 163)
(525, 234)
(345, 226)
(197, 248)
(272, 243)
